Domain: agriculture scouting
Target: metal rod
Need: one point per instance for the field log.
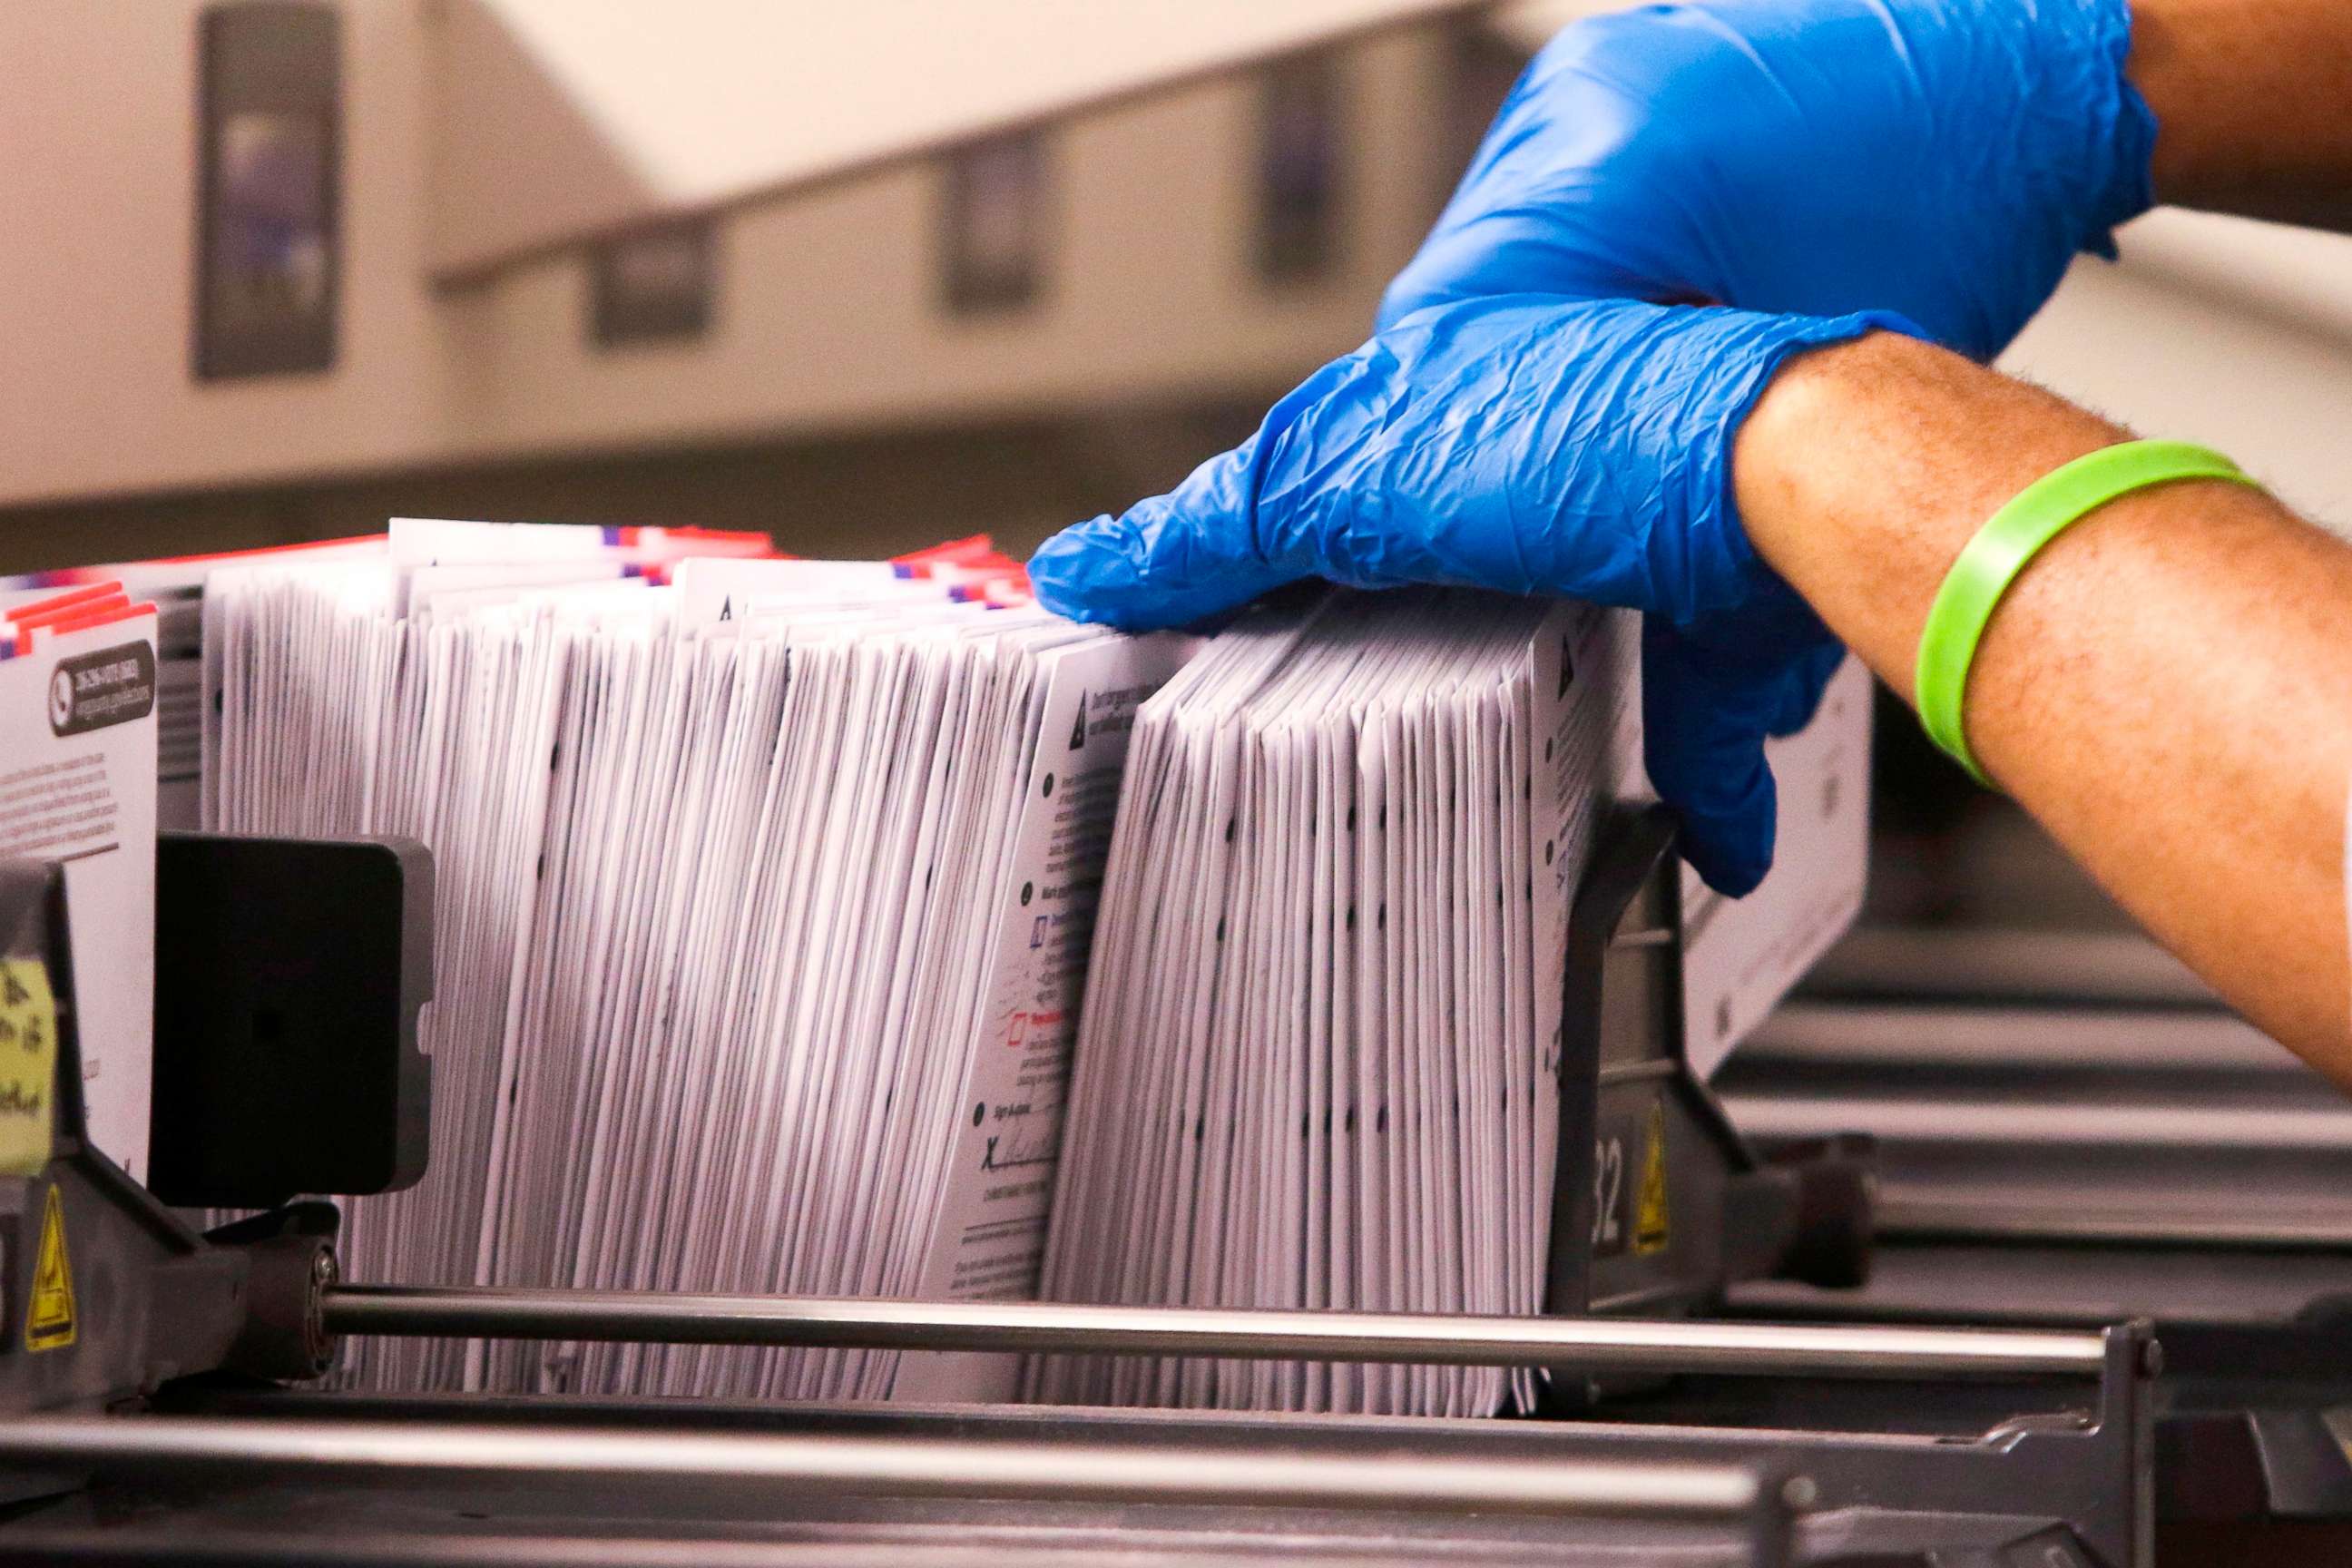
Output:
(1975, 1219)
(1978, 964)
(1592, 1344)
(151, 1448)
(2322, 1132)
(2130, 1043)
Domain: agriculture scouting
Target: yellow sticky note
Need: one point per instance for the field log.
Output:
(28, 1066)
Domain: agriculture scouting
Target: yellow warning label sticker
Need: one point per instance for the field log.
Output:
(49, 1316)
(1650, 1223)
(28, 1066)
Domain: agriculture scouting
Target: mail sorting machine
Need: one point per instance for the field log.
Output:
(2070, 1129)
(165, 1418)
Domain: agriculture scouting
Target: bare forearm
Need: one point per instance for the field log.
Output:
(2167, 688)
(2250, 102)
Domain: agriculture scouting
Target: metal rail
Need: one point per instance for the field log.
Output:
(2131, 1044)
(152, 1447)
(1978, 964)
(1904, 1218)
(1957, 1119)
(1589, 1344)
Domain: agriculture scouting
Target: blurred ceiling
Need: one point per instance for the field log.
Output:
(561, 119)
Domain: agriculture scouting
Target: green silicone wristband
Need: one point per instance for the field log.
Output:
(2043, 511)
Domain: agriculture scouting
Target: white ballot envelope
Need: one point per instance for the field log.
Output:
(1319, 1062)
(77, 694)
(764, 889)
(1318, 1065)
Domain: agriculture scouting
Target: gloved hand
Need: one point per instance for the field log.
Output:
(1536, 446)
(1945, 158)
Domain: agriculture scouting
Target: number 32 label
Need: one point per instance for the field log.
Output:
(1608, 1196)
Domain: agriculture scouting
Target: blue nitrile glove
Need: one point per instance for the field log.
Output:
(1536, 445)
(1945, 158)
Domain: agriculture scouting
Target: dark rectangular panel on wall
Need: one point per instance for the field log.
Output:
(994, 223)
(656, 284)
(1300, 175)
(268, 188)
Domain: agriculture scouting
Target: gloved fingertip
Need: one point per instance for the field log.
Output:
(1729, 871)
(1728, 833)
(1106, 571)
(1095, 572)
(1703, 740)
(1069, 571)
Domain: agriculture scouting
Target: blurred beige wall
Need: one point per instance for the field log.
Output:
(561, 118)
(829, 317)
(844, 495)
(827, 327)
(2234, 333)
(833, 401)
(98, 130)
